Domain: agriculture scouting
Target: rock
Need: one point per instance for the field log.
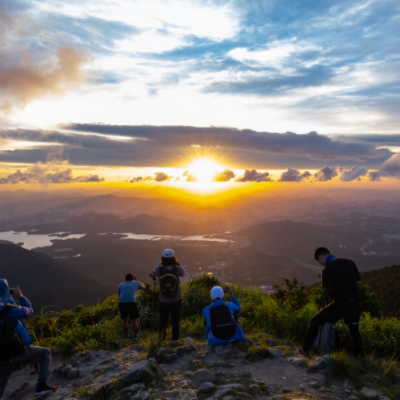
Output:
(224, 349)
(72, 373)
(185, 350)
(134, 388)
(272, 342)
(299, 361)
(317, 380)
(276, 353)
(229, 398)
(185, 385)
(221, 364)
(17, 392)
(255, 390)
(160, 352)
(202, 376)
(140, 372)
(207, 388)
(302, 388)
(180, 395)
(169, 358)
(371, 393)
(287, 390)
(232, 386)
(279, 398)
(245, 396)
(324, 363)
(221, 393)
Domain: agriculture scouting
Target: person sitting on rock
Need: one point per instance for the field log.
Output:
(339, 280)
(128, 305)
(221, 324)
(15, 341)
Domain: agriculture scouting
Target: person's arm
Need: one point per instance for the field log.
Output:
(119, 290)
(234, 305)
(327, 282)
(141, 285)
(24, 310)
(181, 270)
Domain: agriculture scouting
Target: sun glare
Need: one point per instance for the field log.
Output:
(204, 170)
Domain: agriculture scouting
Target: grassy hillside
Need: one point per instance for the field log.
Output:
(385, 283)
(50, 281)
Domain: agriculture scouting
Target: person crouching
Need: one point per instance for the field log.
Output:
(221, 326)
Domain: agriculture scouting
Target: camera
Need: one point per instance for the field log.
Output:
(226, 289)
(12, 290)
(152, 276)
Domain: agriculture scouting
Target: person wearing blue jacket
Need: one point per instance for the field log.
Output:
(217, 296)
(31, 354)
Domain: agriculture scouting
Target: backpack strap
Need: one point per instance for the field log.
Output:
(7, 308)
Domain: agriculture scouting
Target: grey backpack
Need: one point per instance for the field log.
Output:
(326, 339)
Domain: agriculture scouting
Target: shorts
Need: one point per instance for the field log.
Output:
(129, 309)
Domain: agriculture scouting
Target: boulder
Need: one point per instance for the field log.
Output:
(72, 373)
(169, 358)
(371, 393)
(245, 396)
(317, 380)
(276, 353)
(299, 361)
(272, 342)
(207, 388)
(134, 388)
(140, 372)
(254, 390)
(201, 376)
(324, 364)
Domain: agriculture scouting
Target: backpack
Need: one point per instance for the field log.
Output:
(326, 339)
(223, 325)
(10, 344)
(168, 279)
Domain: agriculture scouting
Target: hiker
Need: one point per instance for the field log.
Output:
(128, 305)
(15, 341)
(339, 280)
(221, 321)
(168, 272)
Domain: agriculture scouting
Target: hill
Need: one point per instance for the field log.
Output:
(102, 223)
(385, 283)
(47, 281)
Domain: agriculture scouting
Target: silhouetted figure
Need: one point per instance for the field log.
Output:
(128, 305)
(11, 312)
(339, 279)
(168, 272)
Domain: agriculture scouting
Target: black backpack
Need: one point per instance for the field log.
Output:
(222, 323)
(10, 344)
(169, 283)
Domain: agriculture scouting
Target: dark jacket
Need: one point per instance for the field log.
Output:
(339, 278)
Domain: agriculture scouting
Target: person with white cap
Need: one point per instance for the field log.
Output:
(168, 272)
(221, 325)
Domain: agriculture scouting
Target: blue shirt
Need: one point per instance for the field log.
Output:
(127, 291)
(233, 307)
(16, 315)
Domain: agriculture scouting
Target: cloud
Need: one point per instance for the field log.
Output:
(325, 174)
(374, 176)
(141, 179)
(254, 176)
(161, 177)
(391, 167)
(25, 78)
(54, 171)
(354, 173)
(293, 175)
(224, 176)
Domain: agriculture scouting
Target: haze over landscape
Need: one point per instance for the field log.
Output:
(240, 134)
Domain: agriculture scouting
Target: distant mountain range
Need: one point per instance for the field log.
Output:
(102, 223)
(46, 281)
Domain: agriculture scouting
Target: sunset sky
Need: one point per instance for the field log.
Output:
(193, 92)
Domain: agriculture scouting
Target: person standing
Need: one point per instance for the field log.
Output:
(168, 272)
(128, 305)
(11, 312)
(339, 280)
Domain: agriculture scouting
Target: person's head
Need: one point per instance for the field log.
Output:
(168, 258)
(129, 277)
(5, 296)
(217, 293)
(320, 255)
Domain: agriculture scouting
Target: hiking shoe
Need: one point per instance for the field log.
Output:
(43, 388)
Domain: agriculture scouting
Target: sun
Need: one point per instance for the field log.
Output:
(203, 169)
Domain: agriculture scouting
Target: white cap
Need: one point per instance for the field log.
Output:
(217, 293)
(168, 253)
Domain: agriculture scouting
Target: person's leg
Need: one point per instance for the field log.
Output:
(352, 320)
(164, 313)
(125, 326)
(135, 327)
(5, 371)
(176, 319)
(327, 314)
